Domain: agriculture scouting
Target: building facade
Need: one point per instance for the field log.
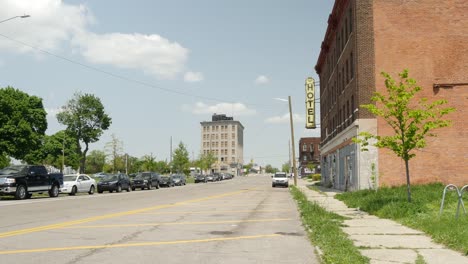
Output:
(224, 137)
(309, 155)
(366, 37)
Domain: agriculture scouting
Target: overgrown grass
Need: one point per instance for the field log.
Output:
(189, 179)
(422, 213)
(324, 230)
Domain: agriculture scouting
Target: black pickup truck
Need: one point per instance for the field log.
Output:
(22, 180)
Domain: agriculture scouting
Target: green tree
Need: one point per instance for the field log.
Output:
(181, 161)
(56, 150)
(22, 123)
(86, 120)
(4, 161)
(162, 167)
(95, 161)
(206, 161)
(269, 169)
(286, 167)
(410, 121)
(148, 163)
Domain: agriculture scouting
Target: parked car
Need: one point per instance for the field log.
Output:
(22, 180)
(216, 177)
(200, 178)
(75, 183)
(146, 180)
(209, 177)
(99, 175)
(166, 181)
(280, 178)
(114, 182)
(179, 179)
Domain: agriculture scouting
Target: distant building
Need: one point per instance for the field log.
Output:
(309, 155)
(366, 37)
(224, 137)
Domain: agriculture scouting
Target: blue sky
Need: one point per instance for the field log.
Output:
(177, 62)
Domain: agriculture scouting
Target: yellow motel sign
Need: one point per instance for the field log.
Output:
(310, 103)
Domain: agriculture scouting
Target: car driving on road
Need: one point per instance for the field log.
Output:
(280, 179)
(75, 183)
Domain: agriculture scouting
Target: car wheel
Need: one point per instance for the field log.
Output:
(73, 191)
(149, 186)
(111, 191)
(129, 188)
(21, 193)
(272, 185)
(119, 188)
(100, 191)
(91, 190)
(54, 192)
(133, 188)
(157, 185)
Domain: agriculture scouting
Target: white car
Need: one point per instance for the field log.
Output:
(280, 178)
(75, 183)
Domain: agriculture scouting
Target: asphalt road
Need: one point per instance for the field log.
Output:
(242, 220)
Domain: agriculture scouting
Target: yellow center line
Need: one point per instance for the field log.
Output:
(107, 216)
(180, 223)
(37, 250)
(213, 212)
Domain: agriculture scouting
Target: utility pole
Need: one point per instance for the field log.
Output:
(126, 163)
(170, 160)
(292, 143)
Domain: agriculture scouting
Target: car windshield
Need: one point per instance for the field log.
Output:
(69, 177)
(280, 175)
(140, 177)
(12, 169)
(176, 176)
(110, 178)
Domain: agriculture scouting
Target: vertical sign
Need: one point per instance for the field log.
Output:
(310, 103)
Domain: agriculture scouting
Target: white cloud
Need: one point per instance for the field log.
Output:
(237, 109)
(54, 24)
(51, 23)
(262, 79)
(284, 119)
(152, 54)
(193, 77)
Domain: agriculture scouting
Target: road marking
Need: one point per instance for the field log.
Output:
(180, 223)
(213, 212)
(107, 216)
(38, 250)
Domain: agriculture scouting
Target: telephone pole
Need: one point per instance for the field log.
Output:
(292, 142)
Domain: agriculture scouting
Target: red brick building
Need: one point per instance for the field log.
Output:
(309, 154)
(366, 37)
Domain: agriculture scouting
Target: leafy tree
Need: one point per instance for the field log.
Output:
(86, 120)
(22, 123)
(56, 150)
(148, 163)
(162, 167)
(114, 149)
(286, 167)
(206, 161)
(248, 167)
(411, 121)
(269, 169)
(4, 161)
(134, 164)
(95, 161)
(181, 161)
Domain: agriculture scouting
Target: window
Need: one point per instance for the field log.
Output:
(233, 152)
(350, 20)
(351, 65)
(305, 158)
(311, 147)
(304, 147)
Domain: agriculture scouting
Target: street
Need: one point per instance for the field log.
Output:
(243, 220)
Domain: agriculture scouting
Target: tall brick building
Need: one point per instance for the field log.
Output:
(366, 37)
(309, 154)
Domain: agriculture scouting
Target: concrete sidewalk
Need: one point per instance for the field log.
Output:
(382, 240)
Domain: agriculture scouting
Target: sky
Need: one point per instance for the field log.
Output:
(162, 67)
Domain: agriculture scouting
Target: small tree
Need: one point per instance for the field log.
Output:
(114, 150)
(286, 167)
(411, 121)
(86, 120)
(181, 161)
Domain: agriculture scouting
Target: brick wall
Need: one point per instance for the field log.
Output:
(430, 38)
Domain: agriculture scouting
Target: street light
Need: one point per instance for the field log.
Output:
(23, 16)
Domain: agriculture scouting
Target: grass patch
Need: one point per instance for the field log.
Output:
(189, 179)
(422, 213)
(324, 230)
(420, 260)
